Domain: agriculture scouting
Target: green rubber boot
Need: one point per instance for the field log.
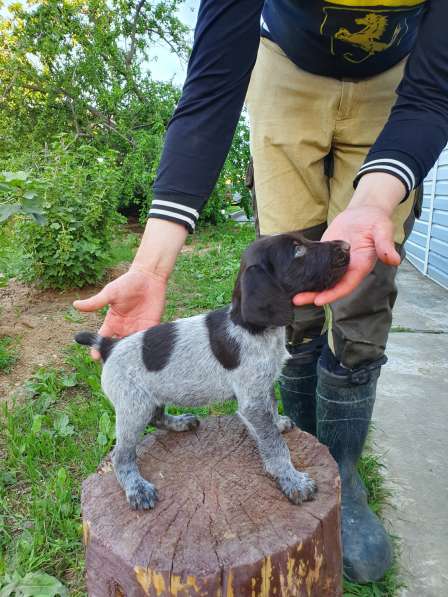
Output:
(298, 382)
(344, 410)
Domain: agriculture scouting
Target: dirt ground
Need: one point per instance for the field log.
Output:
(42, 320)
(44, 323)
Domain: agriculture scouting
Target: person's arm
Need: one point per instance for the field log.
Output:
(200, 132)
(417, 129)
(405, 151)
(197, 142)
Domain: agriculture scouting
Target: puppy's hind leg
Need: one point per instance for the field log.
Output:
(130, 425)
(162, 420)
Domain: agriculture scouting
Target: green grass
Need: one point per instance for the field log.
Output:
(123, 248)
(8, 353)
(11, 254)
(57, 437)
(204, 278)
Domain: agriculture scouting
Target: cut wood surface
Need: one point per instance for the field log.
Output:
(221, 527)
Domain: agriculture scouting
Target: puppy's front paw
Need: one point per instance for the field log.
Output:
(142, 495)
(284, 424)
(298, 487)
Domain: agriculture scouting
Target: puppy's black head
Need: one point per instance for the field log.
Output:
(275, 268)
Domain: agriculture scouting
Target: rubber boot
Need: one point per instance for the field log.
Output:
(298, 382)
(344, 407)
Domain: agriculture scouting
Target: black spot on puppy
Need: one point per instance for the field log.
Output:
(225, 348)
(106, 346)
(158, 344)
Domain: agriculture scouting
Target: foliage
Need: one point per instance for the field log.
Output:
(21, 195)
(83, 68)
(80, 67)
(49, 447)
(33, 584)
(79, 201)
(232, 179)
(139, 162)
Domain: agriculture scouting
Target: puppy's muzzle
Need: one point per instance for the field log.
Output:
(340, 257)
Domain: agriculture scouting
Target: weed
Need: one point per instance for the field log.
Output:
(74, 316)
(8, 353)
(36, 584)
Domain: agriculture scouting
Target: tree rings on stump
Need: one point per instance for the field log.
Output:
(221, 527)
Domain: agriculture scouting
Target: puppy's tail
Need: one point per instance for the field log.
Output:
(104, 345)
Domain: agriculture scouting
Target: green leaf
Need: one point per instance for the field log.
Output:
(7, 210)
(105, 423)
(102, 439)
(69, 381)
(37, 424)
(15, 176)
(62, 427)
(39, 584)
(61, 476)
(9, 589)
(7, 478)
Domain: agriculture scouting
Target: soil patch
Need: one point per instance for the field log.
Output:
(44, 323)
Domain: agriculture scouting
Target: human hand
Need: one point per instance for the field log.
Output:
(136, 301)
(366, 224)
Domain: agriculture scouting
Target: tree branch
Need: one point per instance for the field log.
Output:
(106, 121)
(130, 55)
(8, 88)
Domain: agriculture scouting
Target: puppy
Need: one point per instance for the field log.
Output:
(237, 351)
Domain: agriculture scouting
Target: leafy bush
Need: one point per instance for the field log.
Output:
(231, 180)
(79, 200)
(99, 88)
(139, 161)
(19, 194)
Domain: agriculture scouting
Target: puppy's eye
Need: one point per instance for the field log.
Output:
(299, 250)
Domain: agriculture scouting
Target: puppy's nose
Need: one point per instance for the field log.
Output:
(341, 253)
(343, 245)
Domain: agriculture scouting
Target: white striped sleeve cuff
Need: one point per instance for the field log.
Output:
(174, 212)
(390, 166)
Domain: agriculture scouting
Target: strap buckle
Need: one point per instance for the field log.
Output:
(363, 375)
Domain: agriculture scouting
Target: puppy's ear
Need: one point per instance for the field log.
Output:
(263, 302)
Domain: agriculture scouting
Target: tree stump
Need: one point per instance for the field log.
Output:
(221, 527)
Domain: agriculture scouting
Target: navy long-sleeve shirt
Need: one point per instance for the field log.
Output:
(338, 38)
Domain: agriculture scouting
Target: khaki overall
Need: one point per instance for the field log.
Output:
(297, 121)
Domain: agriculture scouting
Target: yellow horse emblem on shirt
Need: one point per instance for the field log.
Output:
(368, 37)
